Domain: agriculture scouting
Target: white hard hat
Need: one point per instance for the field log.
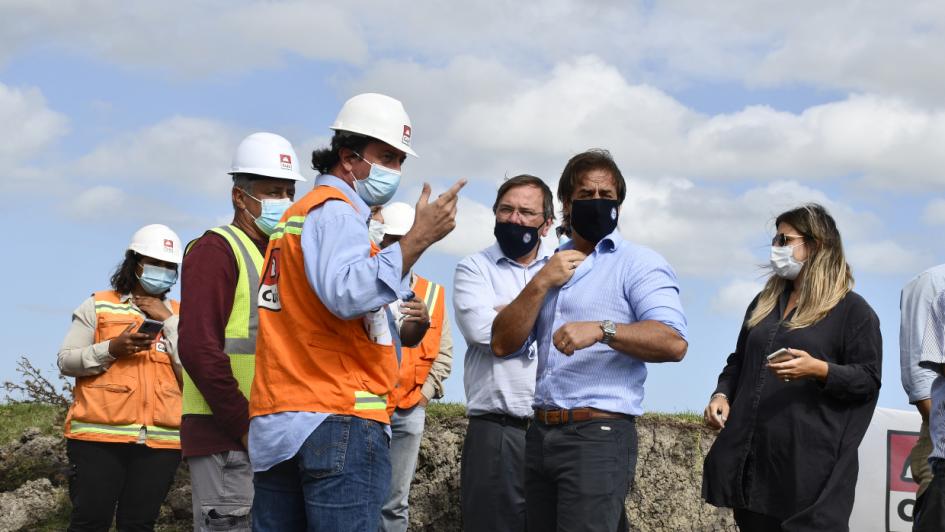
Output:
(158, 242)
(398, 218)
(376, 116)
(266, 154)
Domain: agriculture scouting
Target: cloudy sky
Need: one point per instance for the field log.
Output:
(116, 114)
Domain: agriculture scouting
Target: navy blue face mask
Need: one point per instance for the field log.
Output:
(515, 240)
(594, 219)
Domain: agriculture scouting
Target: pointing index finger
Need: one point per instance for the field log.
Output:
(454, 190)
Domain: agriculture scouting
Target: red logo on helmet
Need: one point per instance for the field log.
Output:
(407, 135)
(286, 161)
(168, 244)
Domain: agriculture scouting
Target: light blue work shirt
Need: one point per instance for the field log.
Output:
(932, 358)
(484, 282)
(621, 282)
(336, 250)
(914, 304)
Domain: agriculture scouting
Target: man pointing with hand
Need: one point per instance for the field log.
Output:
(326, 358)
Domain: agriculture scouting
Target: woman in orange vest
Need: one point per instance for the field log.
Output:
(122, 433)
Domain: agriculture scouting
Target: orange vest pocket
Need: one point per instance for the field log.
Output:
(107, 398)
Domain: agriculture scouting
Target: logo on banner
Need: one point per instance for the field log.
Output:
(900, 488)
(268, 297)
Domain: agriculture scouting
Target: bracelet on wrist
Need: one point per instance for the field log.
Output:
(719, 394)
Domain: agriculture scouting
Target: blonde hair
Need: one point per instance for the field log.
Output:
(827, 277)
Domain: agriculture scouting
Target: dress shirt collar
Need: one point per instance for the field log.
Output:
(606, 245)
(353, 197)
(494, 253)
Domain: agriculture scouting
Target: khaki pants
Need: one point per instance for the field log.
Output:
(919, 460)
(222, 491)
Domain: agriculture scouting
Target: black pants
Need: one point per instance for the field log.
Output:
(930, 508)
(135, 477)
(492, 476)
(578, 475)
(749, 521)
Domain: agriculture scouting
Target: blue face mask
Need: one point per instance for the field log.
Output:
(272, 211)
(156, 280)
(380, 185)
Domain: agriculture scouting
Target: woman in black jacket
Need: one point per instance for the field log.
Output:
(786, 456)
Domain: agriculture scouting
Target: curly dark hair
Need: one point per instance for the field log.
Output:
(125, 278)
(324, 159)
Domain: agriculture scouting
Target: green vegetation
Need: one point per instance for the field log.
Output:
(16, 417)
(687, 416)
(438, 410)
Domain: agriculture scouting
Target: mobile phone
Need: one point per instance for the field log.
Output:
(151, 328)
(781, 355)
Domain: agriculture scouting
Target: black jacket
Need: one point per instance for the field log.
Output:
(789, 449)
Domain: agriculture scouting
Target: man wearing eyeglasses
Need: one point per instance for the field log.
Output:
(499, 390)
(600, 309)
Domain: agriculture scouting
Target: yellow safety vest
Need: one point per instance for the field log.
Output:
(240, 335)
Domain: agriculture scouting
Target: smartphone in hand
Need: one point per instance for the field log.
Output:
(151, 328)
(781, 355)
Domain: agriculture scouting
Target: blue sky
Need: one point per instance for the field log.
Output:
(114, 115)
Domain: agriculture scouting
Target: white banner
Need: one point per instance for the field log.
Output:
(885, 492)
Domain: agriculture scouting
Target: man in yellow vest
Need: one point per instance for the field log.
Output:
(218, 326)
(423, 369)
(325, 359)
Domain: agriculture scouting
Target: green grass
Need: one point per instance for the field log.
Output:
(687, 416)
(16, 417)
(438, 410)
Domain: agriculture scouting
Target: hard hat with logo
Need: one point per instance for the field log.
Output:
(398, 218)
(158, 242)
(266, 154)
(377, 116)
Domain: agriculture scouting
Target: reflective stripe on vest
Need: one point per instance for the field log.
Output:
(152, 432)
(240, 334)
(364, 400)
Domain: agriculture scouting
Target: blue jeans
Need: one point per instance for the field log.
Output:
(337, 482)
(407, 428)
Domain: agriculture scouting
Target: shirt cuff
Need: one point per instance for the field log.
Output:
(390, 270)
(101, 355)
(428, 391)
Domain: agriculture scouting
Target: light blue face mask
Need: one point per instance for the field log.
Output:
(272, 211)
(380, 185)
(156, 279)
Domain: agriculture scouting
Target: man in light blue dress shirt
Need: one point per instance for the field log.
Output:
(499, 391)
(929, 511)
(600, 309)
(914, 305)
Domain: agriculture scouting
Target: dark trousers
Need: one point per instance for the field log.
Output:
(492, 476)
(578, 475)
(749, 521)
(134, 477)
(930, 508)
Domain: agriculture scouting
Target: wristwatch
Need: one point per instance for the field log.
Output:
(610, 330)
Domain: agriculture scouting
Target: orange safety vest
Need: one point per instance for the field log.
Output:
(138, 390)
(415, 362)
(308, 359)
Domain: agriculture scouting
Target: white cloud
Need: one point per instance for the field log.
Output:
(884, 257)
(535, 121)
(105, 204)
(734, 297)
(189, 154)
(28, 127)
(885, 47)
(193, 39)
(474, 223)
(934, 213)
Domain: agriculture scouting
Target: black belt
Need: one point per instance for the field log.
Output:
(505, 420)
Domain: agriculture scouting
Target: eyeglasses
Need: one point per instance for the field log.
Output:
(507, 211)
(782, 239)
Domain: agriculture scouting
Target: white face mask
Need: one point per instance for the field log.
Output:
(376, 231)
(783, 262)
